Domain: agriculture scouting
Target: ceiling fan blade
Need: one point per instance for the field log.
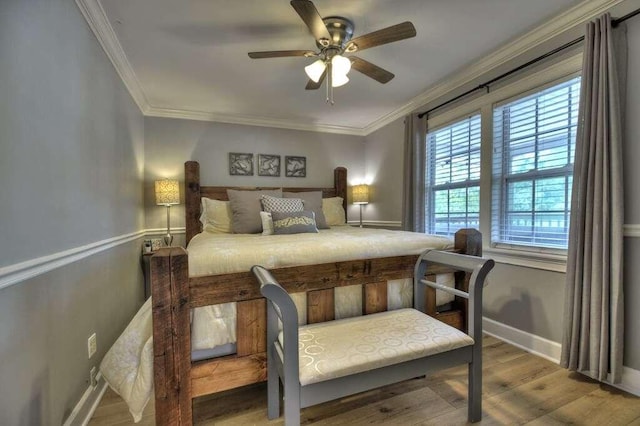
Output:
(386, 35)
(281, 54)
(370, 70)
(312, 18)
(312, 85)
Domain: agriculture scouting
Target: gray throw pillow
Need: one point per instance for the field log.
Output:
(312, 201)
(294, 223)
(246, 208)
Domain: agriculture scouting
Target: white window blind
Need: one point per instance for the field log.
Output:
(533, 153)
(453, 177)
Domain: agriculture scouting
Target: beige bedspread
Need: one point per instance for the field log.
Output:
(211, 253)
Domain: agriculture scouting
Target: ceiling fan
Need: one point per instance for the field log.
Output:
(333, 39)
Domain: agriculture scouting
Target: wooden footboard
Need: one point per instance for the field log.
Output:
(178, 380)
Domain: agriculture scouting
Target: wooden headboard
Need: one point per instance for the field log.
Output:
(193, 192)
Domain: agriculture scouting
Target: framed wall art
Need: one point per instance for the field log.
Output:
(268, 165)
(240, 164)
(295, 166)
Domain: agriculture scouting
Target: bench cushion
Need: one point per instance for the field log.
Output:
(343, 347)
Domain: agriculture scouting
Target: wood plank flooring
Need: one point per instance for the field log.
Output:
(519, 388)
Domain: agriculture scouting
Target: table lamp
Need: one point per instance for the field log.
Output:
(360, 195)
(167, 194)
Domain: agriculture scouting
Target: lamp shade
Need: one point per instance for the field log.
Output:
(167, 192)
(339, 80)
(315, 70)
(341, 65)
(360, 194)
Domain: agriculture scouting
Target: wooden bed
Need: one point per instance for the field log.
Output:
(177, 380)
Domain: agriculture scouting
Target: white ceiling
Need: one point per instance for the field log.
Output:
(189, 57)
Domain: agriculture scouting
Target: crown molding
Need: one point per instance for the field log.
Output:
(563, 22)
(96, 18)
(252, 121)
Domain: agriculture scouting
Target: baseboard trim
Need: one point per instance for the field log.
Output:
(86, 406)
(537, 345)
(14, 274)
(551, 350)
(630, 381)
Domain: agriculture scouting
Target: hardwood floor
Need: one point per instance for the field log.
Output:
(518, 388)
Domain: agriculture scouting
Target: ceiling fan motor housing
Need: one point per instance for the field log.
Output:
(341, 30)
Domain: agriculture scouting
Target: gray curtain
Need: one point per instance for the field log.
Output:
(413, 195)
(593, 318)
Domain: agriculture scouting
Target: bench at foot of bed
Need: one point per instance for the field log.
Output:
(325, 361)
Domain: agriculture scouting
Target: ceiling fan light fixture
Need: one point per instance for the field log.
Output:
(339, 80)
(341, 65)
(315, 70)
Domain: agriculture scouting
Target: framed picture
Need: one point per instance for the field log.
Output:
(295, 166)
(268, 165)
(240, 164)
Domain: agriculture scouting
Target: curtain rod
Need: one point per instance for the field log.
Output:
(486, 85)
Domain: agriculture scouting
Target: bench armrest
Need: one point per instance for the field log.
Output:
(279, 306)
(478, 267)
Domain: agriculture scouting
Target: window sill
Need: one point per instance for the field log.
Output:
(529, 259)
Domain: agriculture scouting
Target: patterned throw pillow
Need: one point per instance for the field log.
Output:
(294, 223)
(275, 204)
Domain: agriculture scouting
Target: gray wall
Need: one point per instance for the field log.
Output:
(71, 161)
(384, 157)
(631, 156)
(171, 142)
(531, 300)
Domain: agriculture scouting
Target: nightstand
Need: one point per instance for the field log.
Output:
(146, 271)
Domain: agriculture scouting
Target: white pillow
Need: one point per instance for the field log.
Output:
(333, 211)
(216, 216)
(267, 223)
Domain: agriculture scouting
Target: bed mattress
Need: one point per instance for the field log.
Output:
(214, 253)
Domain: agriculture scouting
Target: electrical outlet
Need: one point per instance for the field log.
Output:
(93, 377)
(92, 345)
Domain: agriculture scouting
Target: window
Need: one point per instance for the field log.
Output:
(453, 177)
(533, 153)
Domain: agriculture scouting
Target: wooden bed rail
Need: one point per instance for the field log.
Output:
(178, 380)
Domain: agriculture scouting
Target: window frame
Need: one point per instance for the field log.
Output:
(430, 189)
(501, 180)
(537, 78)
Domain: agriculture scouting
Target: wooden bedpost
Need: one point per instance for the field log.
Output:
(192, 199)
(340, 183)
(469, 241)
(171, 336)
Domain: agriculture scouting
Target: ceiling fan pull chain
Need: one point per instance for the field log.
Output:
(329, 82)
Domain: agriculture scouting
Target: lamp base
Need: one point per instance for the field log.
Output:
(168, 239)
